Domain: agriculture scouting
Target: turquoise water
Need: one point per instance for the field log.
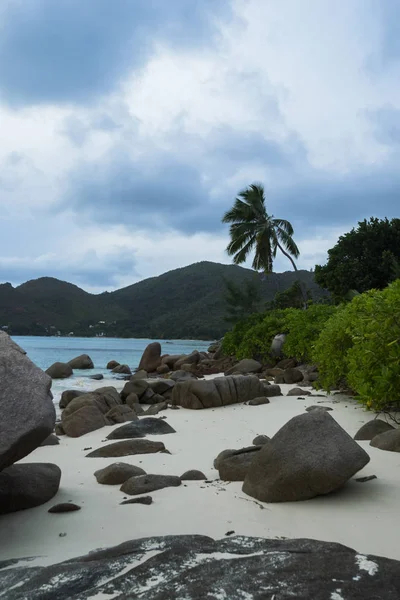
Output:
(44, 351)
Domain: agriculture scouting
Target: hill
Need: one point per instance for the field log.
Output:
(183, 303)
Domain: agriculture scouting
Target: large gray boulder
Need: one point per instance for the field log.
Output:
(59, 370)
(244, 366)
(221, 391)
(28, 485)
(234, 568)
(309, 456)
(151, 357)
(67, 396)
(187, 359)
(27, 414)
(81, 362)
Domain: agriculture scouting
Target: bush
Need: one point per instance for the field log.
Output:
(360, 346)
(256, 342)
(232, 339)
(304, 327)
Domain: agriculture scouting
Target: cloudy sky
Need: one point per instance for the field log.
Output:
(128, 126)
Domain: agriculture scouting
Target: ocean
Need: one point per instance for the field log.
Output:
(44, 351)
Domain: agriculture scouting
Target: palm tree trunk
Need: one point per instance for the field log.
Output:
(303, 293)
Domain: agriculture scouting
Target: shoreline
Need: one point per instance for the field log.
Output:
(360, 516)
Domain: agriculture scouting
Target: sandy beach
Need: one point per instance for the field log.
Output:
(361, 515)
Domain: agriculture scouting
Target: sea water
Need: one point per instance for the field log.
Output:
(44, 351)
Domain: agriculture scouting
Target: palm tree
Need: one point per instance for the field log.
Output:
(252, 228)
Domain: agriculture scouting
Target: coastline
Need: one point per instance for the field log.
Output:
(360, 516)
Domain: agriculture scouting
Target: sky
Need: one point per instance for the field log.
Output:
(128, 127)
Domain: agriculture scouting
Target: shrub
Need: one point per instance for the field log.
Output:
(256, 342)
(232, 339)
(304, 327)
(360, 345)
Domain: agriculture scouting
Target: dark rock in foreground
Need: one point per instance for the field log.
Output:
(143, 484)
(28, 485)
(196, 567)
(140, 428)
(127, 448)
(369, 430)
(51, 440)
(27, 414)
(309, 456)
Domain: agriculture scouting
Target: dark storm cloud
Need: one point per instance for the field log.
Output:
(56, 51)
(174, 188)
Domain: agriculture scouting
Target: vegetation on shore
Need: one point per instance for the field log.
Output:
(356, 342)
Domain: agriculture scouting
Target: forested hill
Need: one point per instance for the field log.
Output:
(183, 303)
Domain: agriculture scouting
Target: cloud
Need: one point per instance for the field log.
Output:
(92, 270)
(73, 50)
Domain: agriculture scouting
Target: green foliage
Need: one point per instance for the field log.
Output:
(360, 345)
(242, 300)
(183, 303)
(256, 341)
(233, 339)
(363, 259)
(293, 297)
(304, 327)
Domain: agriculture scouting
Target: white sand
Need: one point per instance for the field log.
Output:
(362, 515)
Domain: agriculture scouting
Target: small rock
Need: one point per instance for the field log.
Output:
(117, 473)
(96, 376)
(127, 448)
(369, 430)
(316, 407)
(149, 483)
(260, 440)
(64, 507)
(142, 500)
(388, 440)
(193, 475)
(258, 401)
(112, 364)
(140, 428)
(298, 392)
(124, 369)
(52, 440)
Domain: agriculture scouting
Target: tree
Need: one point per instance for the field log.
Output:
(293, 297)
(241, 302)
(365, 258)
(253, 229)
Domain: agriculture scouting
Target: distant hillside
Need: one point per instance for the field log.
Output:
(183, 303)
